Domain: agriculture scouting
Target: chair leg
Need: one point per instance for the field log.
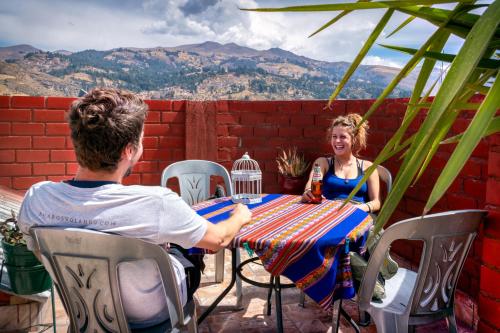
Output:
(302, 299)
(452, 323)
(219, 266)
(192, 326)
(239, 288)
(364, 318)
(336, 315)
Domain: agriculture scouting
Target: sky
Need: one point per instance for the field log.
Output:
(76, 25)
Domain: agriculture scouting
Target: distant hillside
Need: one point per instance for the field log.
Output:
(199, 71)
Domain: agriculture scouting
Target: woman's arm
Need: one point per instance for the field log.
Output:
(373, 191)
(323, 163)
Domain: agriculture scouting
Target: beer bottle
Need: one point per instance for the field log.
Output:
(317, 184)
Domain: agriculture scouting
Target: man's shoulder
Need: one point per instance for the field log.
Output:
(146, 190)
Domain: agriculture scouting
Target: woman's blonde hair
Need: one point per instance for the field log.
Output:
(358, 134)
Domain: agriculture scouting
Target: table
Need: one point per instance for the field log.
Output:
(307, 243)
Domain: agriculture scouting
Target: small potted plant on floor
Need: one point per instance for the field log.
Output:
(26, 274)
(292, 171)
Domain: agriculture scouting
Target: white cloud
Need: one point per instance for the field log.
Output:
(77, 25)
(375, 60)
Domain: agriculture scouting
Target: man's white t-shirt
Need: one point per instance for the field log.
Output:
(152, 213)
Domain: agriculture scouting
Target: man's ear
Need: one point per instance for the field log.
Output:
(128, 152)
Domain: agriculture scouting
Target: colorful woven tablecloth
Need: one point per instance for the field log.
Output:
(307, 243)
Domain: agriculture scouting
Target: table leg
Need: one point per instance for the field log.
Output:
(269, 294)
(225, 292)
(52, 299)
(277, 290)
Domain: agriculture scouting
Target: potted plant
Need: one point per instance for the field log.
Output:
(292, 170)
(26, 274)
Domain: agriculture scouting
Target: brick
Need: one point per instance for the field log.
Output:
(173, 117)
(301, 120)
(48, 142)
(32, 155)
(15, 170)
(489, 310)
(473, 168)
(494, 164)
(492, 192)
(179, 105)
(13, 142)
(133, 179)
(7, 156)
(228, 119)
(49, 116)
(155, 154)
(461, 202)
(155, 129)
(150, 142)
(146, 167)
(176, 129)
(485, 327)
(69, 143)
(23, 183)
(481, 150)
(4, 102)
(315, 107)
(32, 102)
(171, 142)
(151, 179)
(228, 142)
(46, 169)
(5, 129)
(6, 181)
(491, 249)
(242, 106)
(277, 119)
(159, 105)
(71, 168)
(266, 132)
(28, 129)
(265, 154)
(178, 155)
(288, 106)
(63, 103)
(475, 188)
(239, 130)
(15, 115)
(153, 117)
(62, 156)
(252, 118)
(489, 282)
(58, 129)
(222, 130)
(290, 132)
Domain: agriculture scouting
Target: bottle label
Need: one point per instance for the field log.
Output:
(317, 176)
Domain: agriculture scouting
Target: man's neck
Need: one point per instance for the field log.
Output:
(86, 174)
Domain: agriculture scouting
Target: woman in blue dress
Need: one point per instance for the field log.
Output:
(344, 169)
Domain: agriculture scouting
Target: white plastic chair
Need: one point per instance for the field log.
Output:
(416, 298)
(194, 185)
(84, 266)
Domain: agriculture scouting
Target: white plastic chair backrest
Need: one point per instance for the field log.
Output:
(447, 239)
(385, 175)
(84, 266)
(194, 178)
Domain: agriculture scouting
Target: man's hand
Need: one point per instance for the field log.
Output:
(242, 214)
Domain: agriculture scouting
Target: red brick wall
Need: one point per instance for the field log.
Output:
(489, 295)
(35, 143)
(34, 146)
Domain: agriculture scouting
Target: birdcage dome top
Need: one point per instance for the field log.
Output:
(245, 165)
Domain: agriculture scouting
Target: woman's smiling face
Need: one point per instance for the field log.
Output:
(341, 140)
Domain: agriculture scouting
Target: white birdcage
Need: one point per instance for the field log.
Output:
(247, 181)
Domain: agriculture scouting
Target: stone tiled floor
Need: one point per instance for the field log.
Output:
(253, 318)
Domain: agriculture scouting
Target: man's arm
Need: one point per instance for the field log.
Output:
(220, 235)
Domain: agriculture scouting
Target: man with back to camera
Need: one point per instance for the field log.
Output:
(107, 129)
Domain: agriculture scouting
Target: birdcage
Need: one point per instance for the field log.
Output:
(247, 181)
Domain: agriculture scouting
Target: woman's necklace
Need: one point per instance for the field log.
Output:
(341, 167)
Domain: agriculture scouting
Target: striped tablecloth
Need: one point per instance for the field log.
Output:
(307, 243)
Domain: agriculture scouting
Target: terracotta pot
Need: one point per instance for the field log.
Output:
(291, 185)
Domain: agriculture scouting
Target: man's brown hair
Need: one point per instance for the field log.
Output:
(103, 123)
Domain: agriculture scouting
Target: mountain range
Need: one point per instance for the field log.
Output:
(205, 71)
